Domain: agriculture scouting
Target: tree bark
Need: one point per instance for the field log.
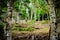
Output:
(31, 14)
(53, 22)
(34, 11)
(34, 15)
(9, 19)
(27, 13)
(17, 18)
(42, 17)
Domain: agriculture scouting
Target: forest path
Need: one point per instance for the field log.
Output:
(40, 30)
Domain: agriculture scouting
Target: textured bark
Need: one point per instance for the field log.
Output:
(9, 19)
(53, 23)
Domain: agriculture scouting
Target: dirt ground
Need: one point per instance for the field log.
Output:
(30, 36)
(38, 34)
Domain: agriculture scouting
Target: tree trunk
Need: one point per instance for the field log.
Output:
(34, 15)
(34, 5)
(53, 23)
(42, 17)
(9, 19)
(27, 13)
(34, 12)
(17, 17)
(31, 14)
(38, 16)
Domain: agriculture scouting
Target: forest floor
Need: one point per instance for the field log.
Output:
(40, 32)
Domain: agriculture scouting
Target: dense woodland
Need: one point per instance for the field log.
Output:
(29, 20)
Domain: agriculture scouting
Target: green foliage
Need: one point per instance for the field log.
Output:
(3, 8)
(40, 6)
(2, 30)
(1, 24)
(16, 5)
(3, 3)
(20, 6)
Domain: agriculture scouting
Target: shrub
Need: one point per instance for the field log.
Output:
(1, 30)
